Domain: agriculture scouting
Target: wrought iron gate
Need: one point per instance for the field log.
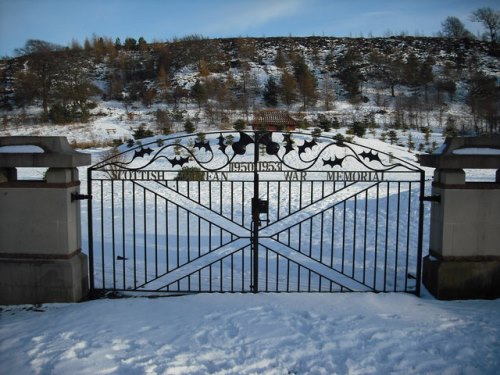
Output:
(254, 211)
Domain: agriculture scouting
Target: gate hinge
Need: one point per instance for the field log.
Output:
(432, 198)
(78, 197)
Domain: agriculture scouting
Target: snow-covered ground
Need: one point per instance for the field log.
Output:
(360, 333)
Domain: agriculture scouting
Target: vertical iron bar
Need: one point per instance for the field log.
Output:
(300, 195)
(167, 247)
(312, 191)
(123, 235)
(300, 238)
(298, 277)
(156, 235)
(232, 272)
(343, 237)
(242, 203)
(310, 235)
(255, 217)
(364, 245)
(113, 231)
(267, 197)
(220, 205)
(209, 237)
(199, 280)
(408, 235)
(397, 238)
(420, 232)
(90, 231)
(332, 244)
(232, 202)
(210, 195)
(210, 277)
(177, 237)
(386, 235)
(354, 236)
(102, 237)
(279, 201)
(309, 282)
(267, 270)
(188, 237)
(376, 238)
(243, 269)
(321, 239)
(145, 235)
(288, 276)
(199, 236)
(277, 271)
(133, 233)
(221, 277)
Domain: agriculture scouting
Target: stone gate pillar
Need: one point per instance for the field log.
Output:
(40, 230)
(464, 253)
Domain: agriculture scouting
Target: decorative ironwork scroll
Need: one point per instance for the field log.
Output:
(216, 151)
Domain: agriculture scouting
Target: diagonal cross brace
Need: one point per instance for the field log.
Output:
(195, 265)
(195, 208)
(315, 208)
(315, 266)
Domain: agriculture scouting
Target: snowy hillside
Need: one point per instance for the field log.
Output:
(106, 94)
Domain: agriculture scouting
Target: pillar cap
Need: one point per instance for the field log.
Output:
(57, 153)
(446, 158)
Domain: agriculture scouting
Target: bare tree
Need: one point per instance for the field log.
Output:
(491, 20)
(455, 29)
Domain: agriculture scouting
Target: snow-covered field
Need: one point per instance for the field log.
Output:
(360, 333)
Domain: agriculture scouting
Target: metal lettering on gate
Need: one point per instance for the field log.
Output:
(254, 211)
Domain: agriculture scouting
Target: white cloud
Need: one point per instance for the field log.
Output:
(242, 16)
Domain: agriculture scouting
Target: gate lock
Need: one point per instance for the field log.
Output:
(260, 206)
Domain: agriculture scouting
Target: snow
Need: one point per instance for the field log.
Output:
(21, 149)
(357, 333)
(477, 151)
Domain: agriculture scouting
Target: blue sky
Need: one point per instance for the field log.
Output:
(61, 21)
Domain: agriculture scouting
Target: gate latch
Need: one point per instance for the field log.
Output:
(78, 197)
(432, 198)
(260, 206)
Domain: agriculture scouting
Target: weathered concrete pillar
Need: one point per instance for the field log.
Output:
(40, 230)
(464, 254)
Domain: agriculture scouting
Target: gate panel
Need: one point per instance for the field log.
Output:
(280, 212)
(369, 238)
(153, 236)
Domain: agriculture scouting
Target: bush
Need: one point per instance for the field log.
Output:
(189, 127)
(142, 132)
(324, 123)
(59, 114)
(190, 174)
(339, 137)
(358, 129)
(316, 132)
(239, 124)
